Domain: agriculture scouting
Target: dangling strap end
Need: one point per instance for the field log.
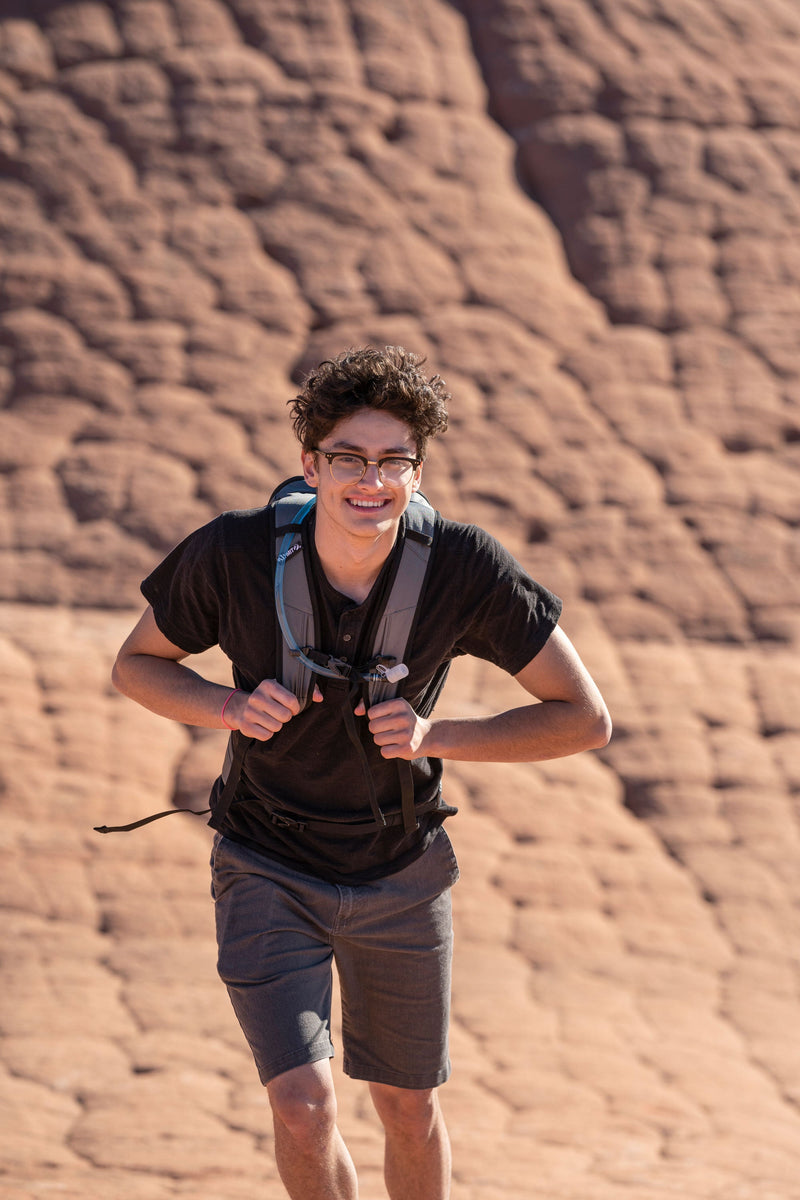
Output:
(195, 812)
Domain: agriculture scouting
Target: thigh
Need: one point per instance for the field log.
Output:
(394, 964)
(274, 956)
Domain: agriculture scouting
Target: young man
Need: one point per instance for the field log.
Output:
(315, 860)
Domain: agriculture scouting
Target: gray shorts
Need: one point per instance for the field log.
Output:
(279, 931)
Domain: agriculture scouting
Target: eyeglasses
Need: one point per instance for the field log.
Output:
(351, 468)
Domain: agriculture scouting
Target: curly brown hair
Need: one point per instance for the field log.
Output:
(390, 380)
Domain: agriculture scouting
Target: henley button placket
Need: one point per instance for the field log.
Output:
(348, 633)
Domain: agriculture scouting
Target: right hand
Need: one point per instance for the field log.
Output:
(262, 713)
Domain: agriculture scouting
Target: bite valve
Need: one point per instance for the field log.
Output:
(394, 674)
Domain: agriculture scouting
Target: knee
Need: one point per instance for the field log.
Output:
(304, 1104)
(403, 1110)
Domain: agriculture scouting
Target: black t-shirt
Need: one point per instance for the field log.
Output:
(216, 587)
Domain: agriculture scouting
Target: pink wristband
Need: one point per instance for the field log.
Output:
(225, 705)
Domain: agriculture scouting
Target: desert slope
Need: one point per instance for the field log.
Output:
(585, 214)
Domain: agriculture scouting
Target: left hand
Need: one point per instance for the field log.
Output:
(396, 728)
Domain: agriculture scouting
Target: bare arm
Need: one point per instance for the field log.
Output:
(149, 670)
(569, 715)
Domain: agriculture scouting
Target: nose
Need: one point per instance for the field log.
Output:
(371, 476)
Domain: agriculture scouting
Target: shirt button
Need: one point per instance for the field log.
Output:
(346, 637)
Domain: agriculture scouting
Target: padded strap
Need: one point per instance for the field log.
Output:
(295, 612)
(398, 617)
(295, 674)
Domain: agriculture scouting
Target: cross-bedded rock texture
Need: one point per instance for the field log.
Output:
(585, 213)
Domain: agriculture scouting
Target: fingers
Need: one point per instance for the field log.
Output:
(267, 710)
(396, 729)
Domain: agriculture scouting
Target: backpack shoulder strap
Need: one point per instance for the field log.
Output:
(291, 504)
(396, 625)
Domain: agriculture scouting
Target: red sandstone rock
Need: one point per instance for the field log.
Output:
(199, 201)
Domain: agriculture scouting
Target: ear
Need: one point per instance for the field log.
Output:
(308, 460)
(417, 480)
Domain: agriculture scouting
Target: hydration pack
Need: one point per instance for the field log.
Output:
(378, 678)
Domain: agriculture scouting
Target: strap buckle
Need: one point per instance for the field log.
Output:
(331, 666)
(283, 822)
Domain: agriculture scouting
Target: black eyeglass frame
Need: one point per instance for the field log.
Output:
(367, 462)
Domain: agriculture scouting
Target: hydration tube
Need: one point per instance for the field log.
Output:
(289, 545)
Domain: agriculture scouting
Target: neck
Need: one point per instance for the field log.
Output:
(353, 569)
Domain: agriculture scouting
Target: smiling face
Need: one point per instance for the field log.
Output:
(368, 512)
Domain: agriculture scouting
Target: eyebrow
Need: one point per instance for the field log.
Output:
(401, 451)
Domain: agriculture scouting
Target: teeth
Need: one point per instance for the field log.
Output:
(368, 503)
